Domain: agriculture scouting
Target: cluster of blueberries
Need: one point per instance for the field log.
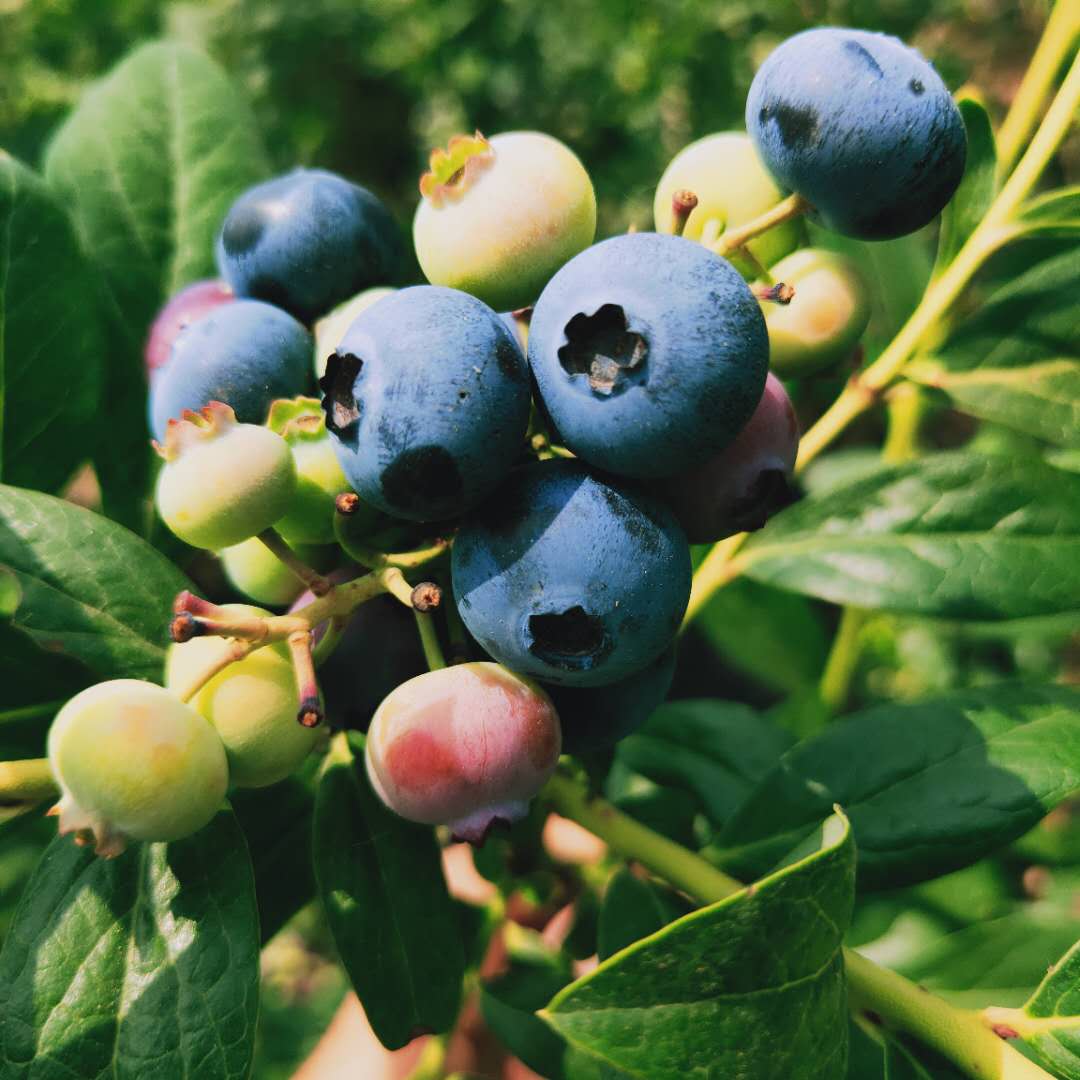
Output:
(572, 414)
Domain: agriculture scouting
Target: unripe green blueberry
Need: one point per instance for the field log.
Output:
(301, 422)
(826, 317)
(732, 187)
(499, 216)
(253, 569)
(330, 329)
(222, 482)
(133, 762)
(466, 746)
(252, 705)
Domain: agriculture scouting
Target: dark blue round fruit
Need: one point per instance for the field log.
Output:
(570, 578)
(862, 127)
(649, 351)
(306, 241)
(427, 402)
(244, 353)
(596, 717)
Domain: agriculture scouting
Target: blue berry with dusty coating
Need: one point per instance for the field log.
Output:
(570, 578)
(427, 402)
(306, 241)
(649, 352)
(862, 127)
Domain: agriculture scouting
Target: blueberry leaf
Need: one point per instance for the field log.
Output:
(929, 787)
(147, 964)
(633, 909)
(1016, 361)
(752, 986)
(957, 535)
(91, 592)
(52, 337)
(382, 885)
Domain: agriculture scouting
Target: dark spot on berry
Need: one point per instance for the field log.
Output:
(338, 385)
(916, 87)
(243, 229)
(797, 125)
(604, 348)
(270, 289)
(572, 639)
(862, 53)
(769, 493)
(511, 363)
(641, 528)
(420, 478)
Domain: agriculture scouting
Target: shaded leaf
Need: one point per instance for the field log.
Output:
(929, 786)
(633, 909)
(144, 964)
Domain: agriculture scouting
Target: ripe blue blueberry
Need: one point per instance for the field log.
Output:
(648, 351)
(862, 127)
(595, 717)
(569, 578)
(244, 353)
(427, 402)
(306, 241)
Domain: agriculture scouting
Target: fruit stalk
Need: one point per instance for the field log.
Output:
(787, 209)
(312, 579)
(898, 1003)
(25, 782)
(429, 641)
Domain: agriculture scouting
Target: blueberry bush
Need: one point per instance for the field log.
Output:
(745, 538)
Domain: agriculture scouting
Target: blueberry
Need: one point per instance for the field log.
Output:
(648, 352)
(862, 127)
(739, 488)
(427, 402)
(596, 717)
(245, 354)
(306, 241)
(570, 578)
(180, 311)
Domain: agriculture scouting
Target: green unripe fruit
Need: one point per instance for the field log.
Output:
(499, 216)
(133, 762)
(319, 479)
(330, 329)
(222, 482)
(826, 317)
(253, 569)
(732, 187)
(252, 704)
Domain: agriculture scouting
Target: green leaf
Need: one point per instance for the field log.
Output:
(52, 337)
(1016, 360)
(958, 535)
(90, 590)
(909, 1061)
(1054, 213)
(929, 787)
(977, 188)
(751, 988)
(865, 1056)
(773, 636)
(633, 909)
(717, 750)
(149, 161)
(147, 964)
(381, 882)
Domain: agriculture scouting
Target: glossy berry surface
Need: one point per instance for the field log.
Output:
(330, 329)
(222, 482)
(306, 241)
(595, 717)
(252, 705)
(426, 401)
(861, 126)
(244, 353)
(499, 216)
(648, 351)
(180, 311)
(739, 488)
(569, 578)
(466, 746)
(732, 187)
(825, 319)
(133, 762)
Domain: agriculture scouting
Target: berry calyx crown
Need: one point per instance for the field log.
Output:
(452, 171)
(195, 427)
(297, 419)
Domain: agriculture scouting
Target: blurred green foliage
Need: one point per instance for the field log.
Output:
(368, 86)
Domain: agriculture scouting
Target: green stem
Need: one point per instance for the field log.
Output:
(959, 1035)
(27, 781)
(1058, 39)
(907, 404)
(275, 543)
(786, 210)
(843, 660)
(429, 640)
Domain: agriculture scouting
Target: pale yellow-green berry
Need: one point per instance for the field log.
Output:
(330, 329)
